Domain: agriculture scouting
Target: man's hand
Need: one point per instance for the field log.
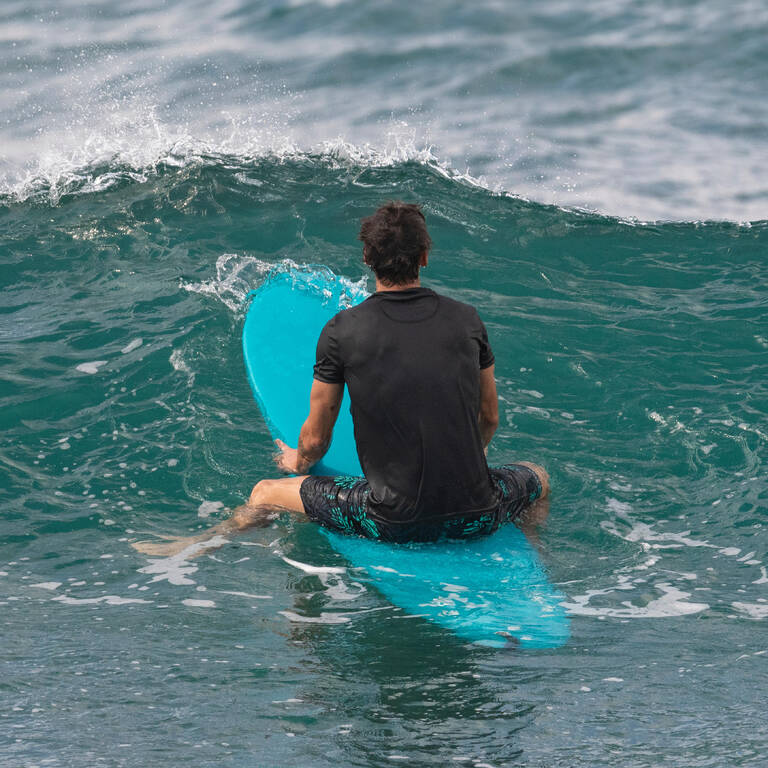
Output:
(315, 435)
(287, 459)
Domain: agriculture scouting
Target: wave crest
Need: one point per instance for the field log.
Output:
(104, 161)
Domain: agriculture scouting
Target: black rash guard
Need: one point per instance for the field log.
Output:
(411, 360)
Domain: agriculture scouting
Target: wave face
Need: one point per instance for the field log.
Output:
(633, 109)
(632, 361)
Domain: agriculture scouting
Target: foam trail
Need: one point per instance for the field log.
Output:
(108, 599)
(176, 569)
(752, 610)
(314, 569)
(671, 603)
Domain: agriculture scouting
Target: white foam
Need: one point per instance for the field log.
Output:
(180, 364)
(531, 392)
(140, 148)
(331, 579)
(237, 275)
(245, 594)
(108, 599)
(533, 411)
(135, 344)
(323, 618)
(644, 533)
(92, 367)
(382, 568)
(754, 430)
(730, 551)
(337, 589)
(671, 603)
(47, 584)
(316, 569)
(208, 507)
(753, 610)
(192, 603)
(176, 569)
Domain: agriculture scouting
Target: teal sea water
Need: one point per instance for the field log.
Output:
(158, 160)
(631, 360)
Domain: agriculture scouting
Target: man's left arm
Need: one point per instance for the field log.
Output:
(315, 436)
(489, 405)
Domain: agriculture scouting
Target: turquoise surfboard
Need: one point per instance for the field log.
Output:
(492, 591)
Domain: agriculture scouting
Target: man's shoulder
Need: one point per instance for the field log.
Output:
(347, 319)
(456, 307)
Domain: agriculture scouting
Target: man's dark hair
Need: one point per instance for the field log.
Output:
(393, 240)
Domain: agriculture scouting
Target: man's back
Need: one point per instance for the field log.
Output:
(421, 379)
(411, 360)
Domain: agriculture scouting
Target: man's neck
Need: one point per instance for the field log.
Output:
(399, 287)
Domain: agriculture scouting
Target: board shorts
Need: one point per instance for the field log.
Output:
(341, 504)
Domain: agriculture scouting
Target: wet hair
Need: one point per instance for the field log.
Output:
(393, 240)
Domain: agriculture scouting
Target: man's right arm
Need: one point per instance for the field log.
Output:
(488, 417)
(317, 431)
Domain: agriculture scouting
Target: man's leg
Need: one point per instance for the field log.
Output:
(268, 498)
(541, 473)
(536, 513)
(524, 489)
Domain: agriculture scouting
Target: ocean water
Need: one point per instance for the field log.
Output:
(593, 177)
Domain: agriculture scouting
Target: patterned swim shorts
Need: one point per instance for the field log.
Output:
(341, 504)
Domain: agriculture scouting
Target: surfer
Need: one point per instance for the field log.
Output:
(420, 374)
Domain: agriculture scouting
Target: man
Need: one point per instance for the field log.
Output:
(420, 374)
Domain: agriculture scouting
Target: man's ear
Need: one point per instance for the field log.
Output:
(424, 260)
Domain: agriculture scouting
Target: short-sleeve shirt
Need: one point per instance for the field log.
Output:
(411, 360)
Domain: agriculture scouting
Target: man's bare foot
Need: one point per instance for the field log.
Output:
(188, 546)
(246, 516)
(168, 548)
